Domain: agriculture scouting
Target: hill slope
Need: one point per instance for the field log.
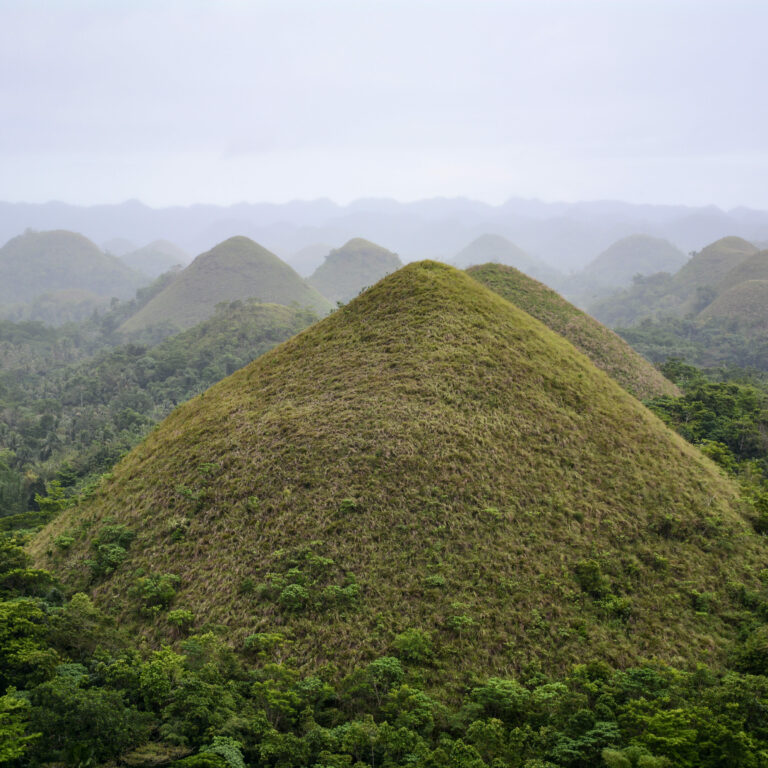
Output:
(498, 250)
(601, 345)
(37, 263)
(356, 265)
(686, 292)
(156, 258)
(711, 264)
(236, 269)
(754, 267)
(630, 256)
(428, 457)
(745, 303)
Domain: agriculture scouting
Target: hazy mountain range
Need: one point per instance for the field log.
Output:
(565, 235)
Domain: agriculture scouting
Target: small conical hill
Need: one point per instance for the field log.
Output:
(429, 457)
(155, 258)
(602, 346)
(38, 263)
(745, 303)
(710, 265)
(633, 255)
(234, 270)
(496, 249)
(356, 265)
(753, 268)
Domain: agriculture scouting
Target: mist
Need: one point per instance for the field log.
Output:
(178, 103)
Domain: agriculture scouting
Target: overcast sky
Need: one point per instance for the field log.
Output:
(223, 101)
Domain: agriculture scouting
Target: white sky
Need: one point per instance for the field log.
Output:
(224, 101)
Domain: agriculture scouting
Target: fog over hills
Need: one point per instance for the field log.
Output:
(565, 235)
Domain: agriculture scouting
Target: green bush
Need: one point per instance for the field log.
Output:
(293, 598)
(414, 645)
(156, 593)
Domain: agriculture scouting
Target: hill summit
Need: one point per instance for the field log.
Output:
(356, 265)
(496, 249)
(428, 460)
(57, 261)
(634, 255)
(236, 269)
(602, 346)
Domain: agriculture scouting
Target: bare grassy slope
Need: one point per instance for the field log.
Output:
(745, 303)
(602, 346)
(37, 263)
(357, 265)
(236, 269)
(428, 457)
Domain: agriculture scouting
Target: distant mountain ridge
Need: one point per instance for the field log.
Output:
(565, 235)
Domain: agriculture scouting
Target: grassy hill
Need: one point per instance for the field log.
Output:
(356, 265)
(710, 265)
(746, 304)
(154, 259)
(496, 249)
(686, 292)
(38, 263)
(754, 267)
(630, 256)
(236, 269)
(428, 458)
(601, 345)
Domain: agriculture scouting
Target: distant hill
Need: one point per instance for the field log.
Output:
(429, 458)
(56, 308)
(496, 249)
(708, 267)
(356, 265)
(754, 267)
(685, 293)
(601, 345)
(634, 255)
(38, 263)
(154, 259)
(745, 303)
(238, 268)
(306, 260)
(119, 246)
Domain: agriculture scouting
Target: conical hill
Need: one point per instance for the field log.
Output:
(633, 255)
(754, 267)
(428, 458)
(711, 264)
(602, 346)
(496, 249)
(234, 270)
(38, 263)
(746, 304)
(356, 265)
